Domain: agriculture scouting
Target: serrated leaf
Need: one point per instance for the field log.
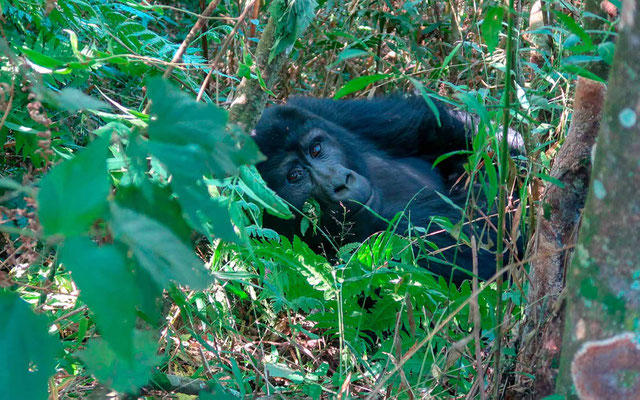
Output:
(158, 250)
(108, 287)
(122, 374)
(492, 26)
(74, 193)
(27, 350)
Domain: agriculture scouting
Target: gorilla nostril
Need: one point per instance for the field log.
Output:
(340, 190)
(349, 180)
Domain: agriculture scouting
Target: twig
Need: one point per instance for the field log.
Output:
(192, 33)
(476, 320)
(223, 48)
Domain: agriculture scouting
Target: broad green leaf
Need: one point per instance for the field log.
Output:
(198, 128)
(122, 374)
(26, 348)
(492, 26)
(606, 50)
(359, 83)
(192, 194)
(108, 287)
(178, 119)
(551, 179)
(74, 193)
(277, 370)
(42, 59)
(71, 99)
(252, 184)
(158, 203)
(158, 250)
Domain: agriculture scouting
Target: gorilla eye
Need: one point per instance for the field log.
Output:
(294, 175)
(314, 151)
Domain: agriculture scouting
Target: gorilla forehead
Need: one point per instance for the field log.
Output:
(282, 127)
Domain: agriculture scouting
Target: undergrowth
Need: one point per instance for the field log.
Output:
(104, 198)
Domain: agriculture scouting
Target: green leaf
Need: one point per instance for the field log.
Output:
(292, 18)
(577, 70)
(71, 99)
(121, 374)
(550, 179)
(432, 106)
(178, 119)
(27, 349)
(42, 59)
(359, 83)
(606, 51)
(74, 193)
(197, 203)
(492, 26)
(252, 184)
(277, 370)
(491, 190)
(158, 250)
(569, 23)
(349, 53)
(108, 287)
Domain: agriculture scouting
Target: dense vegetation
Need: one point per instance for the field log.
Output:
(111, 176)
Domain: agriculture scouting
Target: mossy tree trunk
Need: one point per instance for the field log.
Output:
(558, 218)
(600, 350)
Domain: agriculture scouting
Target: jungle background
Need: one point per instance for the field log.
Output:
(133, 258)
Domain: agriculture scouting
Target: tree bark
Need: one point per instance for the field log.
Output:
(600, 352)
(558, 220)
(250, 97)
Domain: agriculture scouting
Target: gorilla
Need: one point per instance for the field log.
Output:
(363, 161)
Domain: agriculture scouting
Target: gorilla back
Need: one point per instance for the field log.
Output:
(359, 158)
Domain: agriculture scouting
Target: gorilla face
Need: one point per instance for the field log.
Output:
(312, 161)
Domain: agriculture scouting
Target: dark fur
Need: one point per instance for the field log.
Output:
(386, 145)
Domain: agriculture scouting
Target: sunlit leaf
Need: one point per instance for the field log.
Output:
(492, 26)
(74, 193)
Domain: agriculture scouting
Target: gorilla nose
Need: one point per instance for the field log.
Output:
(342, 188)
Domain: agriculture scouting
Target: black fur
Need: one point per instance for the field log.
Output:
(376, 152)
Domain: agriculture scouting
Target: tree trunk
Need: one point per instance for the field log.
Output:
(250, 97)
(600, 352)
(558, 217)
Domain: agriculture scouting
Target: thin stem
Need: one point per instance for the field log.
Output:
(504, 173)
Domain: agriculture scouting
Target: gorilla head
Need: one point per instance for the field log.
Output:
(309, 157)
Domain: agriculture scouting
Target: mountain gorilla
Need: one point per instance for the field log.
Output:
(358, 158)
